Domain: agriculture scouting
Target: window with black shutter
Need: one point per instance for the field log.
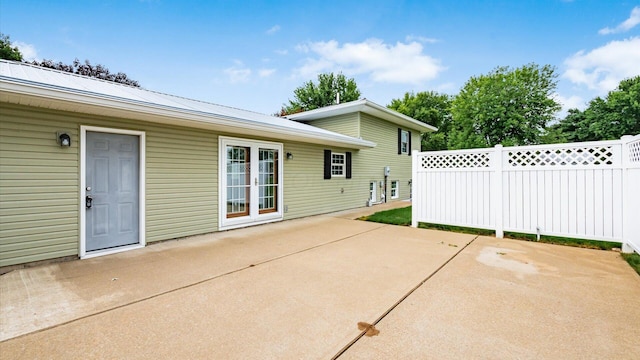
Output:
(337, 164)
(404, 142)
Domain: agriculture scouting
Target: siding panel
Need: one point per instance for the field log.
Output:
(347, 124)
(385, 135)
(306, 192)
(38, 189)
(39, 182)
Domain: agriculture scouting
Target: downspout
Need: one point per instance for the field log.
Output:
(386, 177)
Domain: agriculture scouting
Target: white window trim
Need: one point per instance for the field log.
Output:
(397, 195)
(402, 143)
(343, 165)
(83, 191)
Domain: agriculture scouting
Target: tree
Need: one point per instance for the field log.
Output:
(507, 106)
(86, 69)
(605, 119)
(310, 96)
(429, 107)
(8, 52)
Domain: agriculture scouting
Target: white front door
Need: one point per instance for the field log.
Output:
(250, 182)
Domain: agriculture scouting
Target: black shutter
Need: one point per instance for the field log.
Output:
(327, 164)
(399, 141)
(348, 160)
(409, 144)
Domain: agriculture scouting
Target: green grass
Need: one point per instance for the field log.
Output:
(582, 243)
(633, 260)
(458, 229)
(399, 216)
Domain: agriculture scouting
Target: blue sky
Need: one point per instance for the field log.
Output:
(253, 54)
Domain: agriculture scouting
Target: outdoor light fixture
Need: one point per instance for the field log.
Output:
(289, 156)
(63, 139)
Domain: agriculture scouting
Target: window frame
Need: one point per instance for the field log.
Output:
(404, 142)
(347, 165)
(343, 165)
(396, 189)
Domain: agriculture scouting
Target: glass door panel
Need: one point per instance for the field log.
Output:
(238, 181)
(268, 180)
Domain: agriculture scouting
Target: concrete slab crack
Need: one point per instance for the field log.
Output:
(366, 329)
(215, 277)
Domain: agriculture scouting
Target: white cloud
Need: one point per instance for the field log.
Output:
(28, 51)
(274, 29)
(630, 23)
(303, 48)
(266, 72)
(402, 63)
(603, 68)
(238, 73)
(571, 102)
(447, 88)
(422, 39)
(282, 52)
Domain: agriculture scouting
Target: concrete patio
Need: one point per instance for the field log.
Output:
(297, 289)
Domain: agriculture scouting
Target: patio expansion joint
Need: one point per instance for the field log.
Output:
(402, 299)
(215, 277)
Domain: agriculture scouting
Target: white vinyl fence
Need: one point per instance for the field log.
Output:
(585, 190)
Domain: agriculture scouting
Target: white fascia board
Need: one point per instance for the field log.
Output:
(366, 107)
(109, 106)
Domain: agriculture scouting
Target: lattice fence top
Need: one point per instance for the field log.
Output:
(456, 160)
(634, 151)
(562, 156)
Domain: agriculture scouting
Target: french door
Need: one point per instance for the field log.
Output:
(250, 182)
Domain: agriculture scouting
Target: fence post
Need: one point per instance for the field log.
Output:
(627, 198)
(415, 190)
(496, 190)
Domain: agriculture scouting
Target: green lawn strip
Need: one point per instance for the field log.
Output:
(458, 229)
(399, 216)
(582, 243)
(633, 260)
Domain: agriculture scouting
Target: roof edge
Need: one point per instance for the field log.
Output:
(189, 118)
(367, 107)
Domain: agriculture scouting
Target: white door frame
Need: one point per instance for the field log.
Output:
(83, 192)
(373, 193)
(254, 217)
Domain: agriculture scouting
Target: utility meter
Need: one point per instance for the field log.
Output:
(387, 171)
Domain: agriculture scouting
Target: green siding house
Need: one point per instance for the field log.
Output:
(386, 168)
(89, 167)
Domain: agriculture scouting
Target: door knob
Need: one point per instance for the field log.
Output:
(88, 201)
